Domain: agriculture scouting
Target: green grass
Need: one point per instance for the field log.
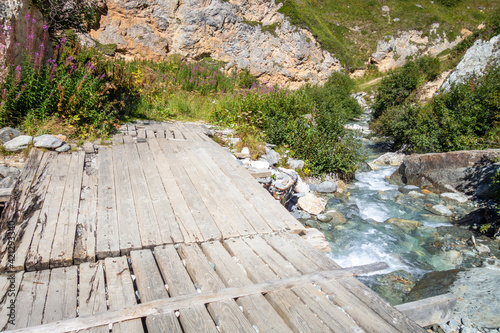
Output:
(333, 22)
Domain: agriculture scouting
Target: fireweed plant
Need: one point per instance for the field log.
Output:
(63, 83)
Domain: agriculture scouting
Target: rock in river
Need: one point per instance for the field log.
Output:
(327, 187)
(408, 224)
(311, 204)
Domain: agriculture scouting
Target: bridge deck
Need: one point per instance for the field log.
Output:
(165, 214)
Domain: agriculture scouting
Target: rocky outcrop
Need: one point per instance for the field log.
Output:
(242, 33)
(466, 171)
(475, 60)
(392, 50)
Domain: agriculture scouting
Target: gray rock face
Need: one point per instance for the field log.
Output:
(295, 164)
(475, 60)
(271, 156)
(441, 210)
(47, 141)
(8, 133)
(6, 171)
(469, 172)
(19, 143)
(64, 148)
(327, 187)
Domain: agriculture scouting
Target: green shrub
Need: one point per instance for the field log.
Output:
(450, 3)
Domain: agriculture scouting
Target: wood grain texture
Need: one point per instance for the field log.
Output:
(9, 288)
(32, 294)
(85, 243)
(151, 287)
(92, 291)
(107, 239)
(121, 292)
(61, 295)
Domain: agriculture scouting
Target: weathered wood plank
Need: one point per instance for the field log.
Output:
(219, 215)
(222, 195)
(293, 311)
(9, 287)
(329, 313)
(363, 304)
(128, 227)
(255, 307)
(85, 243)
(201, 215)
(121, 292)
(32, 295)
(29, 214)
(141, 135)
(107, 239)
(64, 238)
(149, 228)
(61, 295)
(187, 224)
(196, 317)
(151, 287)
(160, 134)
(5, 194)
(188, 301)
(275, 205)
(226, 314)
(430, 311)
(150, 133)
(256, 222)
(41, 246)
(92, 292)
(169, 228)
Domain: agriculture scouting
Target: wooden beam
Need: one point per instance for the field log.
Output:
(187, 301)
(430, 311)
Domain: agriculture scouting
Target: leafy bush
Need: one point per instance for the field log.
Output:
(309, 121)
(465, 117)
(70, 86)
(449, 3)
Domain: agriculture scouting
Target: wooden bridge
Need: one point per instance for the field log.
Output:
(165, 232)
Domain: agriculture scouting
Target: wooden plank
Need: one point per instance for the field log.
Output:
(330, 314)
(117, 139)
(5, 194)
(150, 133)
(431, 310)
(195, 318)
(9, 287)
(92, 293)
(61, 295)
(187, 224)
(107, 240)
(149, 228)
(151, 287)
(131, 130)
(64, 238)
(128, 227)
(85, 243)
(41, 246)
(201, 215)
(249, 211)
(160, 134)
(169, 228)
(188, 301)
(185, 132)
(275, 205)
(366, 306)
(222, 195)
(226, 314)
(121, 292)
(293, 311)
(219, 215)
(141, 135)
(32, 295)
(30, 212)
(255, 307)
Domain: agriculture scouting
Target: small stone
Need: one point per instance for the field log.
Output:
(18, 143)
(324, 217)
(415, 194)
(408, 188)
(327, 187)
(341, 186)
(441, 210)
(47, 141)
(458, 197)
(88, 147)
(311, 204)
(482, 249)
(295, 164)
(8, 133)
(336, 217)
(419, 6)
(386, 9)
(64, 148)
(396, 19)
(61, 136)
(271, 156)
(6, 171)
(312, 187)
(260, 164)
(402, 223)
(301, 186)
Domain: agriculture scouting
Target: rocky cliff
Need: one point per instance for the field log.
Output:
(392, 51)
(475, 60)
(242, 33)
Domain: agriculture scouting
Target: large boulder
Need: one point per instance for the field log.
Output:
(466, 171)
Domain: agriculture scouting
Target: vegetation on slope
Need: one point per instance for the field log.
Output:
(350, 29)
